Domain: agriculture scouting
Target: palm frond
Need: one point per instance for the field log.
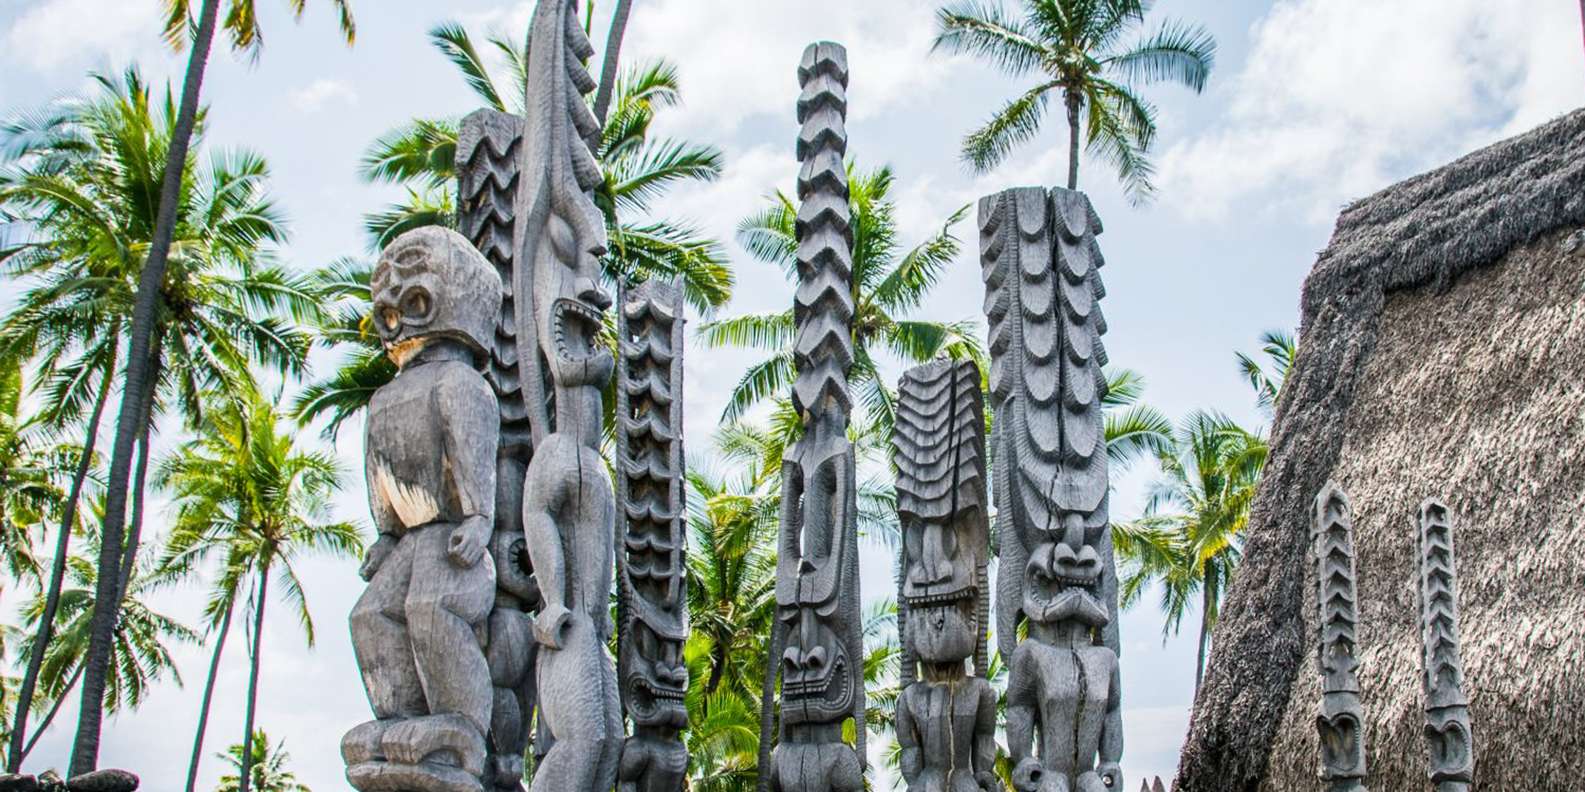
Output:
(1016, 123)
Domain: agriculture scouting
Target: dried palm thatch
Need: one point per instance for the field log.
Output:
(1443, 341)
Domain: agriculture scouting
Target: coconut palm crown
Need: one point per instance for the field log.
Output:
(1082, 52)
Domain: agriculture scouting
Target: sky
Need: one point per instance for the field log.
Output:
(1313, 103)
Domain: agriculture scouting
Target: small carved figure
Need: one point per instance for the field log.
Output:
(1450, 743)
(652, 584)
(1043, 289)
(569, 510)
(431, 446)
(1341, 718)
(817, 648)
(946, 722)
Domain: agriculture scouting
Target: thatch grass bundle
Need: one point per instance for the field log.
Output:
(1442, 353)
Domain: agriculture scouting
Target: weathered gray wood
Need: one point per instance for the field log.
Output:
(1450, 742)
(1341, 718)
(569, 510)
(430, 452)
(946, 720)
(651, 564)
(1041, 260)
(488, 150)
(817, 648)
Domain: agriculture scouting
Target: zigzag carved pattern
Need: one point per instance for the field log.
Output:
(650, 420)
(1444, 667)
(939, 442)
(1337, 597)
(488, 148)
(823, 305)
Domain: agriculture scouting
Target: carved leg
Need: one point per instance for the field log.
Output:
(444, 605)
(578, 704)
(380, 640)
(1091, 782)
(510, 656)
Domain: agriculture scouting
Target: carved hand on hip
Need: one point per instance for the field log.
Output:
(468, 541)
(375, 557)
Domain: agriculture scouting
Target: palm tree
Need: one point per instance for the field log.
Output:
(1191, 537)
(141, 655)
(421, 156)
(242, 23)
(1078, 48)
(246, 493)
(83, 179)
(264, 767)
(1281, 349)
(888, 283)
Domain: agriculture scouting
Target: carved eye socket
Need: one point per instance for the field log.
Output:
(416, 304)
(390, 318)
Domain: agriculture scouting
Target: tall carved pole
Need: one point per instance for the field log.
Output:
(1043, 289)
(817, 648)
(569, 510)
(946, 722)
(652, 578)
(488, 152)
(1341, 718)
(1450, 743)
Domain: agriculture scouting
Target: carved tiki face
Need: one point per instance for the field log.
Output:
(817, 680)
(1063, 576)
(431, 284)
(655, 678)
(569, 305)
(940, 458)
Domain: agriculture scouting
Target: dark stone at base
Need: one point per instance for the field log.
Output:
(19, 783)
(103, 781)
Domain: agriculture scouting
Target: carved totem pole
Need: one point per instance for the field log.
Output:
(1450, 743)
(946, 722)
(652, 584)
(1043, 291)
(431, 459)
(488, 150)
(817, 648)
(1341, 718)
(569, 510)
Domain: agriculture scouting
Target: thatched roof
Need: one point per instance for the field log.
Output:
(1442, 353)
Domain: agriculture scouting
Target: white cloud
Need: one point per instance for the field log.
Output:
(64, 35)
(1340, 97)
(310, 98)
(741, 56)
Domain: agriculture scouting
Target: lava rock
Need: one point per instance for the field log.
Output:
(19, 783)
(103, 781)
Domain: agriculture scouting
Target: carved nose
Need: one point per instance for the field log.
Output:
(802, 665)
(935, 563)
(674, 675)
(589, 292)
(1083, 565)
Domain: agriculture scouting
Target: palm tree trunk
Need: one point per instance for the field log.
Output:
(49, 717)
(52, 598)
(1205, 631)
(209, 693)
(613, 50)
(85, 749)
(139, 486)
(1075, 102)
(253, 675)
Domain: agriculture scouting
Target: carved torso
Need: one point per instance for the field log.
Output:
(417, 424)
(948, 753)
(1072, 687)
(569, 481)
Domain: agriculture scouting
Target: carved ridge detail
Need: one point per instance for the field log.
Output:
(1341, 719)
(1449, 739)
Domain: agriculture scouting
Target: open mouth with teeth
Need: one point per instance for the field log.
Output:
(657, 704)
(576, 326)
(818, 700)
(1051, 597)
